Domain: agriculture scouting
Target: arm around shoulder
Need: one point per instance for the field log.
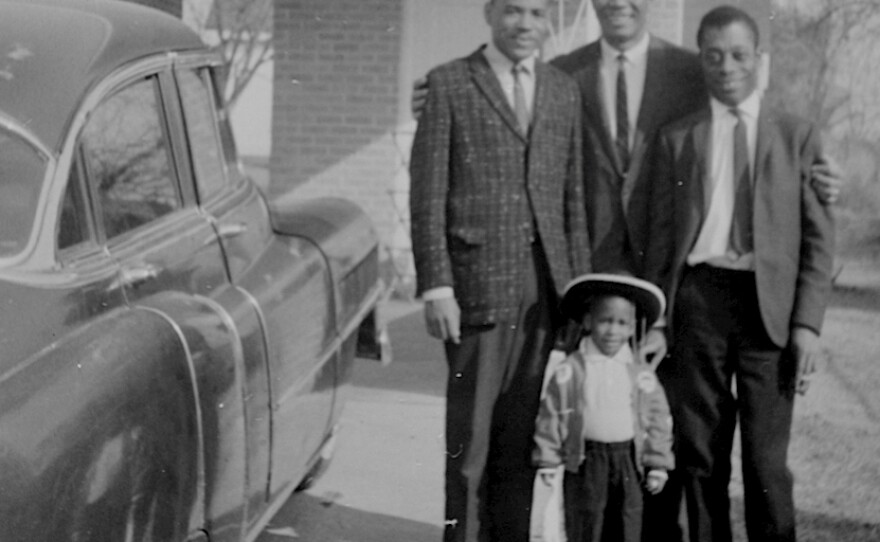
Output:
(816, 246)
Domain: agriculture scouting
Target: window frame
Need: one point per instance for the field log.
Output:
(204, 67)
(161, 74)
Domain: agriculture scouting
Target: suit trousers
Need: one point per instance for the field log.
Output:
(604, 498)
(492, 397)
(724, 365)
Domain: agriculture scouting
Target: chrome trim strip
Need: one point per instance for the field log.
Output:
(12, 125)
(261, 320)
(238, 369)
(197, 521)
(336, 344)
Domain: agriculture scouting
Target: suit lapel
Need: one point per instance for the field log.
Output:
(594, 100)
(543, 96)
(485, 79)
(699, 192)
(762, 150)
(646, 123)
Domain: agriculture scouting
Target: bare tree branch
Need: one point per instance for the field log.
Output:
(242, 32)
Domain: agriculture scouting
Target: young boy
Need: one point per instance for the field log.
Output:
(604, 415)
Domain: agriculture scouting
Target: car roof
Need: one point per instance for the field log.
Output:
(53, 51)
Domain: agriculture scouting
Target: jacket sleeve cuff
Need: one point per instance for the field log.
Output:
(440, 292)
(659, 473)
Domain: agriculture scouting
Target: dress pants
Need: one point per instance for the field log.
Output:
(492, 397)
(719, 339)
(603, 501)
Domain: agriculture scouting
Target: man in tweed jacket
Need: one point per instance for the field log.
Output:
(498, 229)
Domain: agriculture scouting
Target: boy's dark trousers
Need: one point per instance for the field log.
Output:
(603, 501)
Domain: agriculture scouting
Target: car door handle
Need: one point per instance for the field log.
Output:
(132, 276)
(228, 231)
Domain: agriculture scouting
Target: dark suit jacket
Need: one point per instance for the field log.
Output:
(793, 231)
(617, 203)
(482, 191)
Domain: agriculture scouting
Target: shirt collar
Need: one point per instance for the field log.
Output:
(501, 64)
(591, 352)
(750, 107)
(636, 53)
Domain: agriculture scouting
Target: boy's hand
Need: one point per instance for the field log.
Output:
(655, 481)
(419, 96)
(548, 475)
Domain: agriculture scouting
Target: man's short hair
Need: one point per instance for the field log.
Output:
(724, 16)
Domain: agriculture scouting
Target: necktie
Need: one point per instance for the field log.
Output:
(622, 114)
(741, 228)
(519, 100)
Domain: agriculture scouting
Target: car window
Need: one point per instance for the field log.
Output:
(201, 128)
(128, 159)
(73, 226)
(22, 169)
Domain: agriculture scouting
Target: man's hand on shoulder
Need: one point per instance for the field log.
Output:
(827, 179)
(443, 319)
(419, 97)
(654, 347)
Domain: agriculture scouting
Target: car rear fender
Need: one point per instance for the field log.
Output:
(348, 241)
(99, 436)
(216, 362)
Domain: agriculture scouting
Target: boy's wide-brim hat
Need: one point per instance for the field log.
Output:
(649, 299)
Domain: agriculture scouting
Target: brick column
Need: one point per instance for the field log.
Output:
(335, 101)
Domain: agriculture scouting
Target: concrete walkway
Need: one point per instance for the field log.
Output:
(385, 482)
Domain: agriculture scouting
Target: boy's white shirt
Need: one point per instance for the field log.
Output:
(608, 413)
(587, 347)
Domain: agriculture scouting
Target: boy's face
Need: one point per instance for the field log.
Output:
(612, 322)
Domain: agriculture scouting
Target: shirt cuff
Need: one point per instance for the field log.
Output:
(659, 473)
(440, 292)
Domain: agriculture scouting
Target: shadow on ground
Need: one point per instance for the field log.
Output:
(860, 297)
(310, 518)
(419, 364)
(815, 527)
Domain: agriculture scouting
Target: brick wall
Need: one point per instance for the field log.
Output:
(174, 7)
(335, 103)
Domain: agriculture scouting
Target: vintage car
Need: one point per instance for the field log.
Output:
(172, 347)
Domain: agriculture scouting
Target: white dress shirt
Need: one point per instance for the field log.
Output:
(712, 244)
(608, 412)
(635, 68)
(502, 67)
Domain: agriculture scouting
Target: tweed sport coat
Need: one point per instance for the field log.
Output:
(617, 201)
(793, 230)
(482, 191)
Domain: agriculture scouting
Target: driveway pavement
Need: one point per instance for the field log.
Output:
(385, 483)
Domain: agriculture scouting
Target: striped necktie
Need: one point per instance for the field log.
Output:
(520, 108)
(622, 114)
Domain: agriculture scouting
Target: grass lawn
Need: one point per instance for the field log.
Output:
(835, 448)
